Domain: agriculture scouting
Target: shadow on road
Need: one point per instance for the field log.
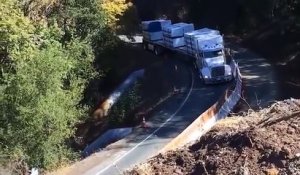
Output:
(261, 86)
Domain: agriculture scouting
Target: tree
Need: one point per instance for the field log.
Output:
(47, 51)
(41, 84)
(114, 9)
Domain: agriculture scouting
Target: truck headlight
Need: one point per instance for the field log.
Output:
(206, 77)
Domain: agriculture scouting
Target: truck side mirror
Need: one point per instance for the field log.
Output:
(230, 52)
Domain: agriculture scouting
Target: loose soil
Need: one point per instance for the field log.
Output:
(263, 142)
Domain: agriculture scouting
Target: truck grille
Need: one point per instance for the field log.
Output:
(218, 71)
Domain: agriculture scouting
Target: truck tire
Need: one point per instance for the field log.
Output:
(157, 50)
(145, 46)
(202, 80)
(195, 66)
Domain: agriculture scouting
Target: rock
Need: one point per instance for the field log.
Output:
(178, 172)
(287, 150)
(272, 171)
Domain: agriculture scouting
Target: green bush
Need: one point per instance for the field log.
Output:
(119, 114)
(42, 80)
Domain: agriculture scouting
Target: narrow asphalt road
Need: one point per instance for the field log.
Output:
(173, 116)
(168, 121)
(260, 79)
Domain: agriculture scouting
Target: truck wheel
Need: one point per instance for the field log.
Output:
(195, 66)
(145, 46)
(156, 51)
(202, 80)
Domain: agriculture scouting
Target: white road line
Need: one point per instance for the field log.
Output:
(162, 125)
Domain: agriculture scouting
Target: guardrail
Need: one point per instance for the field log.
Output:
(209, 118)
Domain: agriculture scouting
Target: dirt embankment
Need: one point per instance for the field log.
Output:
(264, 142)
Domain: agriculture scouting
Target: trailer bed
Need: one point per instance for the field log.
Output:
(181, 50)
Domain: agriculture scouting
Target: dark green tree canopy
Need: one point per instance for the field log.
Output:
(46, 61)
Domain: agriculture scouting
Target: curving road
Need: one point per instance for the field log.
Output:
(174, 115)
(168, 120)
(260, 79)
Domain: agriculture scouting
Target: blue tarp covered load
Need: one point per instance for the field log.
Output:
(177, 30)
(203, 39)
(174, 42)
(155, 25)
(152, 36)
(173, 35)
(152, 30)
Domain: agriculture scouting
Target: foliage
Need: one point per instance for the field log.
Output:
(114, 9)
(262, 12)
(47, 51)
(229, 16)
(42, 79)
(119, 113)
(38, 10)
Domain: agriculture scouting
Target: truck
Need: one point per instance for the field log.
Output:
(204, 47)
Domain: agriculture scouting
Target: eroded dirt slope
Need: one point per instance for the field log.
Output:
(264, 142)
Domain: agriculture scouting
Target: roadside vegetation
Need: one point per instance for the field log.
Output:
(230, 16)
(48, 58)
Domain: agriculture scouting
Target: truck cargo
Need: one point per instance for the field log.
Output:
(177, 30)
(173, 35)
(203, 41)
(204, 47)
(174, 42)
(152, 30)
(155, 25)
(201, 31)
(153, 36)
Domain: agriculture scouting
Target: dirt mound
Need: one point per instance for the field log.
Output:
(264, 142)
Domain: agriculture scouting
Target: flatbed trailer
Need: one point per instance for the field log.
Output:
(158, 47)
(204, 47)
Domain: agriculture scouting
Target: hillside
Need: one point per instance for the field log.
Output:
(263, 142)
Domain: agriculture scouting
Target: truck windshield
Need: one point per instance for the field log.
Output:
(212, 54)
(215, 61)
